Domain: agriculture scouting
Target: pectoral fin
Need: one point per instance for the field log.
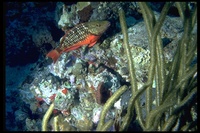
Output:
(92, 44)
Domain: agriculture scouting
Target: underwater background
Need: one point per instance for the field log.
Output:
(91, 88)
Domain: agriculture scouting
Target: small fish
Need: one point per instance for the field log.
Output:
(83, 34)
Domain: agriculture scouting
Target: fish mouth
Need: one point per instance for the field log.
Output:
(105, 26)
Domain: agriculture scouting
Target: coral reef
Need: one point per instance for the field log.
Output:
(126, 78)
(162, 107)
(66, 17)
(84, 125)
(84, 10)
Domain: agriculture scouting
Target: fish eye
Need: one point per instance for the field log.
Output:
(97, 25)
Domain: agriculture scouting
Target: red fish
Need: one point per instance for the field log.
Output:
(83, 34)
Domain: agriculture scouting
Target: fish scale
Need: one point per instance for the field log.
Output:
(77, 34)
(83, 34)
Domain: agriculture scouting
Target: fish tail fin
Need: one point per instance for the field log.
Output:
(54, 55)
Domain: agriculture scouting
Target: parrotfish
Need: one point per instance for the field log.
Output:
(83, 34)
